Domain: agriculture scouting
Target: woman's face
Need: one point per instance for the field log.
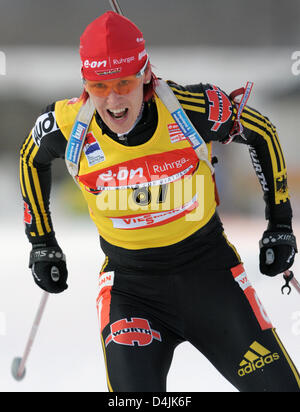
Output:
(119, 112)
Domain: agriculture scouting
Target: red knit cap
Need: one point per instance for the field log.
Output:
(111, 47)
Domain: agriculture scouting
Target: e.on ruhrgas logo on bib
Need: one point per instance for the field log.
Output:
(145, 171)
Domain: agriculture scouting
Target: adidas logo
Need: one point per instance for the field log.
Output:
(256, 358)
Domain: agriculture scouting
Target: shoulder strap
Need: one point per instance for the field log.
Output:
(165, 93)
(77, 137)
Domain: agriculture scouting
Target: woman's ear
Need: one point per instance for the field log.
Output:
(84, 85)
(148, 75)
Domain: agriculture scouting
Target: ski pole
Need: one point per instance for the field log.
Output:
(115, 6)
(18, 365)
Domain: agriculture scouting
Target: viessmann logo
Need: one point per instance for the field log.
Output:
(153, 219)
(256, 358)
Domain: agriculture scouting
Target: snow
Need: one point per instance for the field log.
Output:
(67, 355)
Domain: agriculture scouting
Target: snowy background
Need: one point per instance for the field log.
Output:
(41, 67)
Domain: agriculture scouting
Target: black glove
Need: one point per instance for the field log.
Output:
(277, 249)
(48, 267)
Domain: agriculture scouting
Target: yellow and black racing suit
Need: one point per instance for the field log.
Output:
(170, 274)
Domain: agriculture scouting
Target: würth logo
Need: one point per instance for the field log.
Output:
(137, 330)
(256, 358)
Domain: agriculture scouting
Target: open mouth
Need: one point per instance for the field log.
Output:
(118, 114)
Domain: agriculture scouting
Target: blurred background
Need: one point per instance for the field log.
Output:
(225, 43)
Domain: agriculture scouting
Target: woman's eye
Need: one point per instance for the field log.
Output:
(123, 82)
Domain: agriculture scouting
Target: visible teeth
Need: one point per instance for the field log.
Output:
(117, 111)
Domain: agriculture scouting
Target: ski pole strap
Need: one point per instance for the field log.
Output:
(278, 238)
(46, 254)
(237, 129)
(166, 95)
(77, 137)
(288, 276)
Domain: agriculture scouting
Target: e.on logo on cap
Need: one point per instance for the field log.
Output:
(94, 64)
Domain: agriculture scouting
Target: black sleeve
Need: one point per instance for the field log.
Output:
(44, 143)
(213, 113)
(209, 108)
(268, 162)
